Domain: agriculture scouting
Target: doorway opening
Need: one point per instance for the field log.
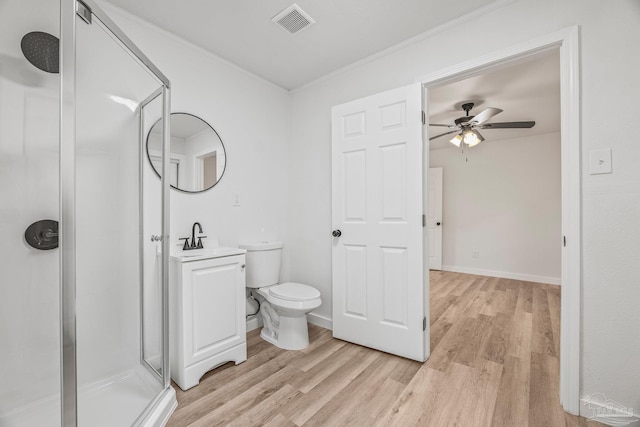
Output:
(565, 45)
(503, 196)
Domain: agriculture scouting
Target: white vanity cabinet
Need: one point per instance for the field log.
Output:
(207, 313)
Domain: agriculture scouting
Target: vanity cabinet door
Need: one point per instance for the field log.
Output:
(214, 306)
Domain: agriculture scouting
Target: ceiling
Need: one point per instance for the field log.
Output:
(185, 126)
(344, 32)
(528, 90)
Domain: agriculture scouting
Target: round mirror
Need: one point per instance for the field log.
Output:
(197, 156)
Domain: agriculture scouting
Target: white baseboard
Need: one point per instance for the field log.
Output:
(598, 408)
(253, 322)
(321, 321)
(502, 274)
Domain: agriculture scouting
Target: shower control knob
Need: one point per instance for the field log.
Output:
(155, 238)
(336, 233)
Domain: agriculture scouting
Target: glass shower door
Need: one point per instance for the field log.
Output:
(72, 325)
(115, 384)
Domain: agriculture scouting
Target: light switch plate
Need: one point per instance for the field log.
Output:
(600, 161)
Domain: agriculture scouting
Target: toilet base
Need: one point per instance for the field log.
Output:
(292, 333)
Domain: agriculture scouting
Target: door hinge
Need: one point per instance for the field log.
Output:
(564, 241)
(424, 323)
(424, 220)
(424, 118)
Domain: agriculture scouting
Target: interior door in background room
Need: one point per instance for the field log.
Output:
(434, 218)
(379, 283)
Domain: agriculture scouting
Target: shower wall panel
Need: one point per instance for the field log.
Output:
(29, 278)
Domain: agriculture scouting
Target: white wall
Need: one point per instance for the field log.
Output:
(252, 118)
(505, 203)
(611, 288)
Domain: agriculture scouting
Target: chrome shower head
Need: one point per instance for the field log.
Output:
(42, 50)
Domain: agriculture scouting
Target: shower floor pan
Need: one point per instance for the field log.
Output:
(117, 401)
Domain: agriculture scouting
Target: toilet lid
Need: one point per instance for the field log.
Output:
(294, 292)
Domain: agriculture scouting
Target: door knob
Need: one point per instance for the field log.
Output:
(42, 234)
(336, 233)
(438, 223)
(156, 238)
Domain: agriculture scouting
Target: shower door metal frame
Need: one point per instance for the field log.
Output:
(68, 343)
(142, 158)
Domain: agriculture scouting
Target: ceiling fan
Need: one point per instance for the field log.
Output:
(467, 127)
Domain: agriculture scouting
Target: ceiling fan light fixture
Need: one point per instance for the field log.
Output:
(456, 140)
(472, 138)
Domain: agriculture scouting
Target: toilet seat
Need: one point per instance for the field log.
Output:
(292, 296)
(291, 291)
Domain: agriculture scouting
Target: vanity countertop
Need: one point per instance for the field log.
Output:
(206, 253)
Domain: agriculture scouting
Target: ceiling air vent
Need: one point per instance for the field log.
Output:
(293, 19)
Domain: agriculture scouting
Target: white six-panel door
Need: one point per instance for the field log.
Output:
(434, 218)
(377, 195)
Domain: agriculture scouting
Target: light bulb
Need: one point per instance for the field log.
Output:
(471, 138)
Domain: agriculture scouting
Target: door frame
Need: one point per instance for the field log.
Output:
(567, 42)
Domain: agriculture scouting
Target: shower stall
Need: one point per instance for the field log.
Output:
(83, 270)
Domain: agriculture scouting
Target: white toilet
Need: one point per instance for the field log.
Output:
(284, 311)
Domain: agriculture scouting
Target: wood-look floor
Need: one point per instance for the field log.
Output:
(494, 362)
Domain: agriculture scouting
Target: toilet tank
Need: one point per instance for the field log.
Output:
(263, 263)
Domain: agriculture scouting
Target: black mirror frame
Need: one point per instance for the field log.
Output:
(158, 173)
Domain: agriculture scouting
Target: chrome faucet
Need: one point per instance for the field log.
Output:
(193, 245)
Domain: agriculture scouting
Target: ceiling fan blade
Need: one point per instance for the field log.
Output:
(485, 115)
(442, 134)
(508, 125)
(446, 126)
